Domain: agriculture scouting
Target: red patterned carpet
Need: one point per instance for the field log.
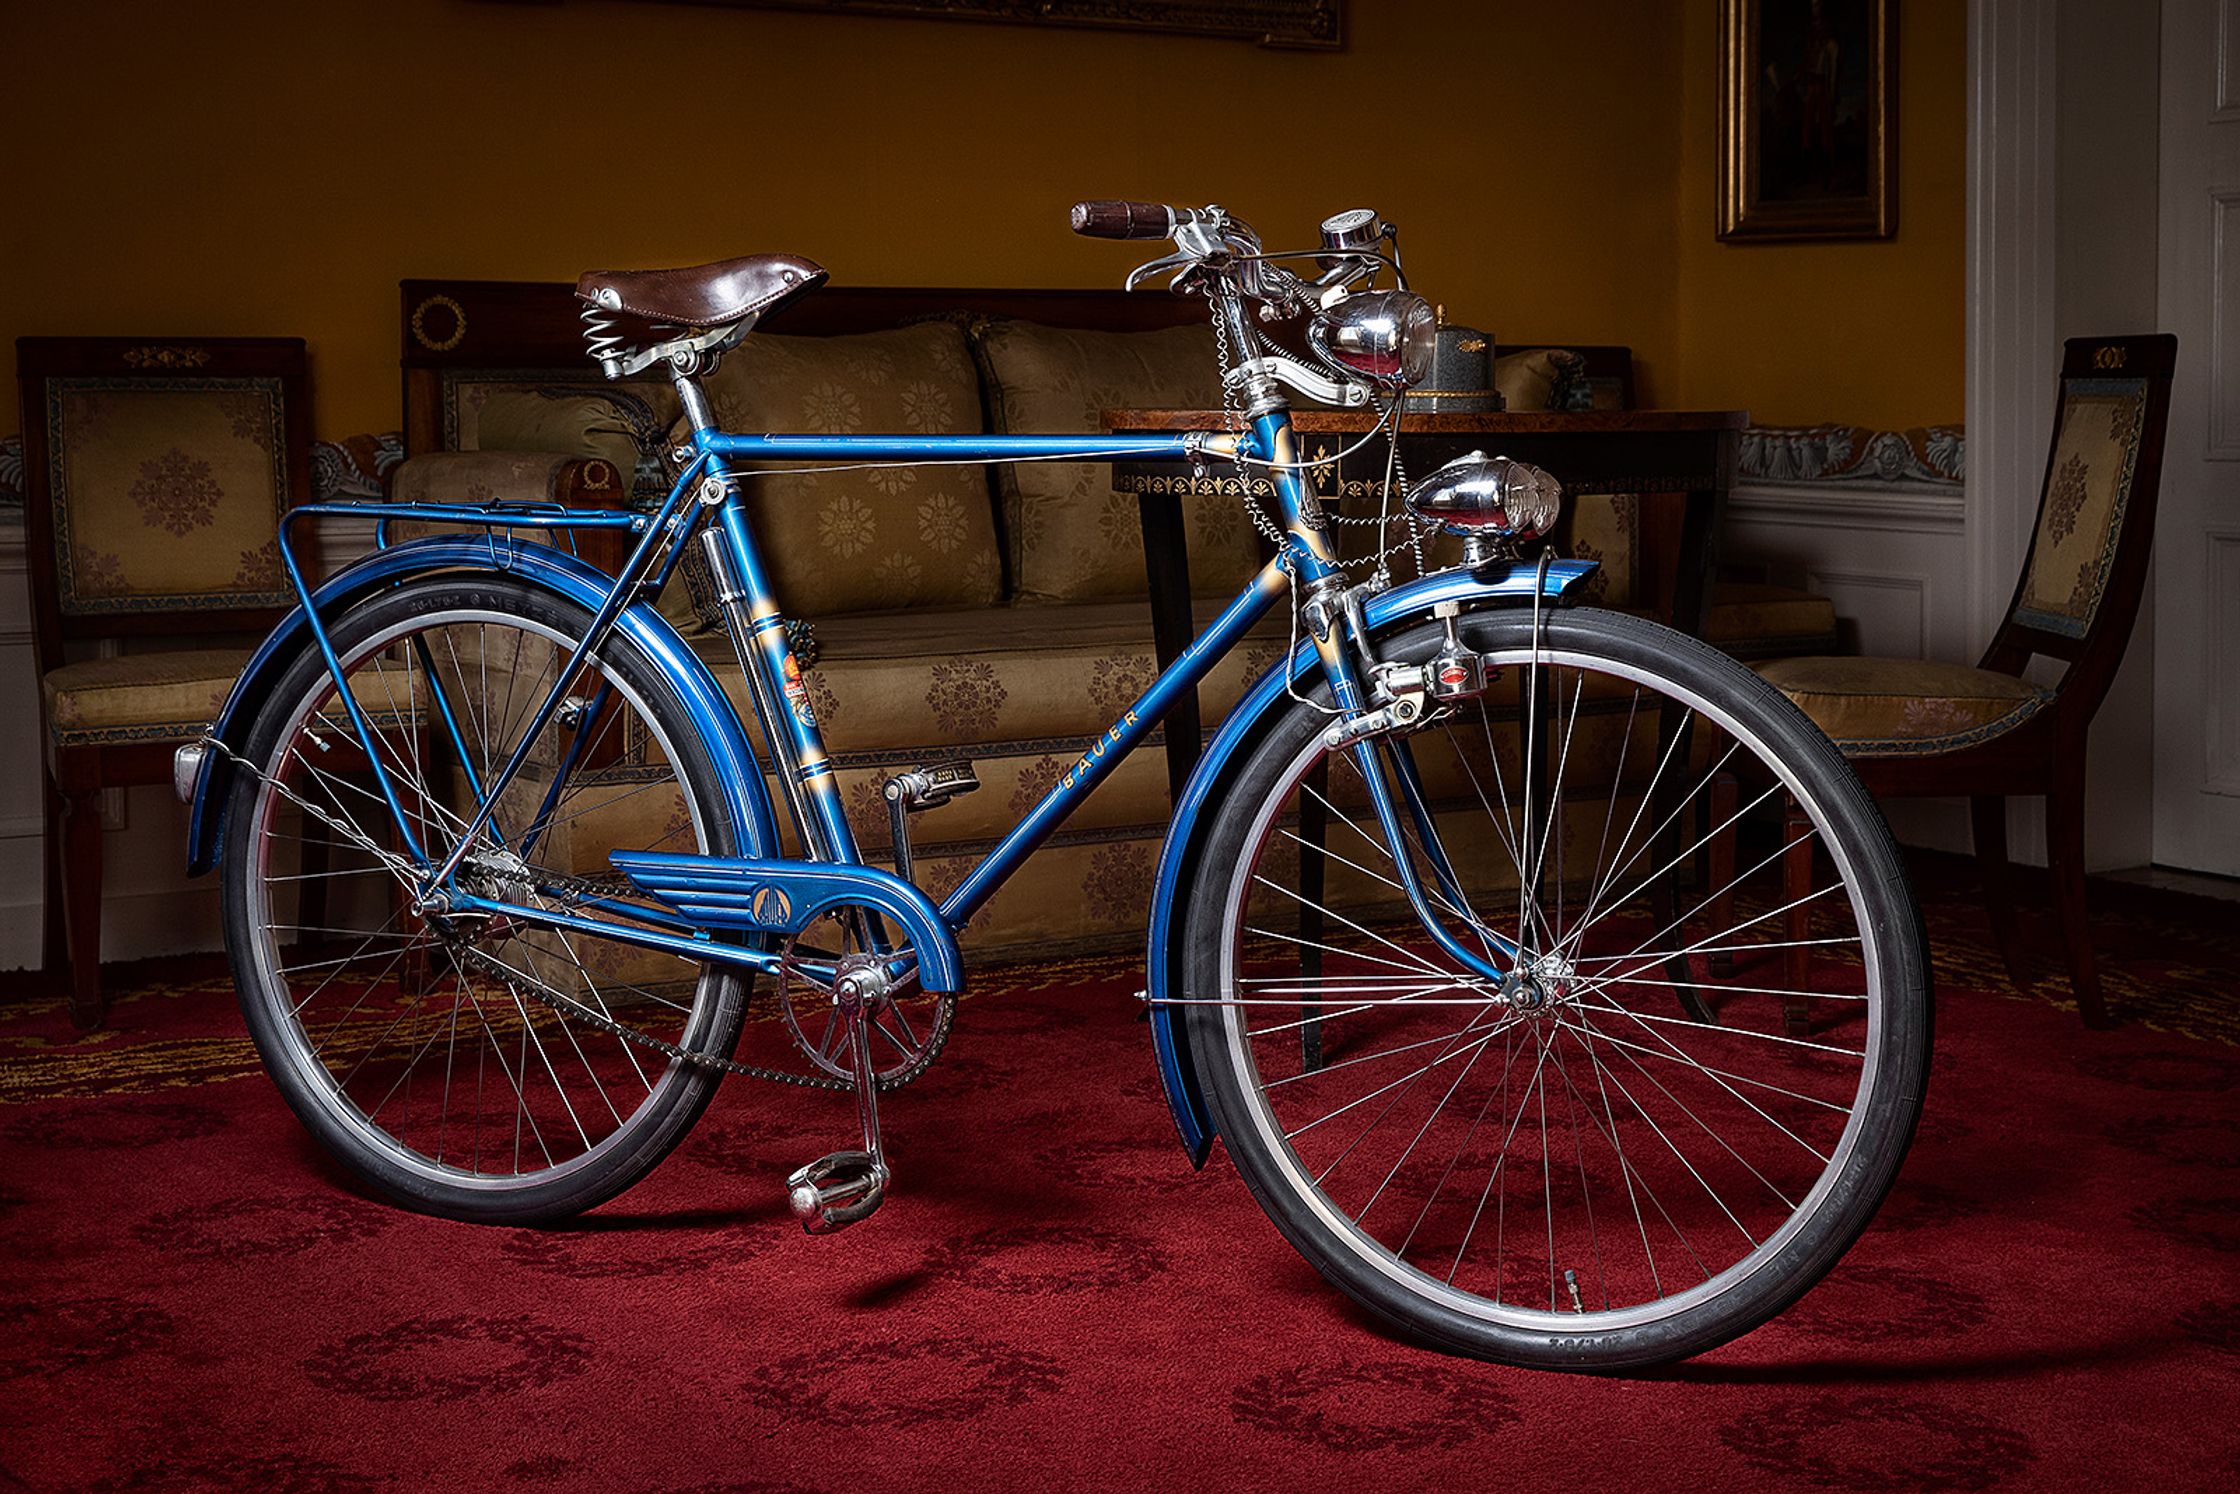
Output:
(193, 1299)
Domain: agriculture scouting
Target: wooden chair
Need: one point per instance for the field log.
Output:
(1921, 728)
(156, 471)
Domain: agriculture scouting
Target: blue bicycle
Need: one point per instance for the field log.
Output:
(1475, 938)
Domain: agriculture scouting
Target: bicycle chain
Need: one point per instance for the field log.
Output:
(568, 1006)
(559, 1001)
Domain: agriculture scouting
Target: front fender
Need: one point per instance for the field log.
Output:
(540, 565)
(1217, 768)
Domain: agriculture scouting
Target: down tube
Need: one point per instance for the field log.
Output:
(1118, 740)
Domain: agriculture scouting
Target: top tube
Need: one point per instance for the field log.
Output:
(970, 447)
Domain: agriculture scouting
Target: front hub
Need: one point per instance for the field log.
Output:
(1537, 987)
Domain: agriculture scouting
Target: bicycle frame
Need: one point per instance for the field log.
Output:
(802, 763)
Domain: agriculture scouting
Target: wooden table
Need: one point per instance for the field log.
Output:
(1689, 454)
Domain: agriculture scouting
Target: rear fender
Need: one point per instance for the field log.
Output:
(1225, 757)
(540, 565)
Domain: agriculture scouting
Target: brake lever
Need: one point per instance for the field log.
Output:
(1179, 260)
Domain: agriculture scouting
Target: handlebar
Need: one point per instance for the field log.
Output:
(1107, 218)
(1220, 256)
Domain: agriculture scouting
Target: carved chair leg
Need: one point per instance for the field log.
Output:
(1724, 795)
(1672, 906)
(81, 906)
(417, 973)
(1796, 885)
(2065, 860)
(1314, 823)
(1990, 816)
(54, 936)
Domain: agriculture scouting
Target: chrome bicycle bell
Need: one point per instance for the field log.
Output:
(1487, 500)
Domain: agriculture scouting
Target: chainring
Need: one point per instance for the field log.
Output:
(909, 1027)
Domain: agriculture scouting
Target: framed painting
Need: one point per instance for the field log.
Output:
(1271, 23)
(1808, 119)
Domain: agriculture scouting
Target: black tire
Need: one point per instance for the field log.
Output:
(1262, 1123)
(708, 1022)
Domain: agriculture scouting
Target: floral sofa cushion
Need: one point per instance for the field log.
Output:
(574, 422)
(1072, 538)
(887, 538)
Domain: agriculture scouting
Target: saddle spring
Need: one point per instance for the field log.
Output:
(603, 339)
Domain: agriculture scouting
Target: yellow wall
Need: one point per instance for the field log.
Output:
(1871, 333)
(262, 167)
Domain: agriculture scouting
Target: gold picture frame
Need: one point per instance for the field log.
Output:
(1808, 119)
(1312, 24)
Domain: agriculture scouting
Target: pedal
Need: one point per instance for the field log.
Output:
(836, 1191)
(928, 787)
(932, 785)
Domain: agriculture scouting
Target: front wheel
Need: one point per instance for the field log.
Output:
(1688, 1093)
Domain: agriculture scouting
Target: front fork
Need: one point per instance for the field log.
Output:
(1378, 704)
(1400, 698)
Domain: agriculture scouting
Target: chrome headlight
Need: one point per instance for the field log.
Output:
(1386, 337)
(1489, 497)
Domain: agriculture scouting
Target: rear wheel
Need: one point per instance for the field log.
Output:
(464, 1066)
(1690, 1093)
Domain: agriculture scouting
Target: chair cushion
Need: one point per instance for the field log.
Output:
(140, 697)
(891, 537)
(1903, 707)
(1072, 537)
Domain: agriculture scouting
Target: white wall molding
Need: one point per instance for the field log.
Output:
(2228, 63)
(2224, 256)
(2011, 290)
(1898, 603)
(1889, 507)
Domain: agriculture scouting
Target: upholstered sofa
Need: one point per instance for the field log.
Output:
(957, 611)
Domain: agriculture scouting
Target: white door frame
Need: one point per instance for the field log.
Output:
(2031, 262)
(2011, 311)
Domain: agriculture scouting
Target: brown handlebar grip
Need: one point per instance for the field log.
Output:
(1106, 219)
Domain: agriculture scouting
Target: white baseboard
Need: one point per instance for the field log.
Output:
(135, 925)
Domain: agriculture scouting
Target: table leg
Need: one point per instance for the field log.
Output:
(1166, 563)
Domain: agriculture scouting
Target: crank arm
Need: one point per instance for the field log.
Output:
(841, 1188)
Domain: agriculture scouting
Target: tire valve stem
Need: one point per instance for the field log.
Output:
(1571, 1285)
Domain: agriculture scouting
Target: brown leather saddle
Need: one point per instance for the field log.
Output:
(716, 295)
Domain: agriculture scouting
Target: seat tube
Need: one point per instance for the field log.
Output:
(773, 673)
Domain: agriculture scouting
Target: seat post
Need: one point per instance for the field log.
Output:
(690, 395)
